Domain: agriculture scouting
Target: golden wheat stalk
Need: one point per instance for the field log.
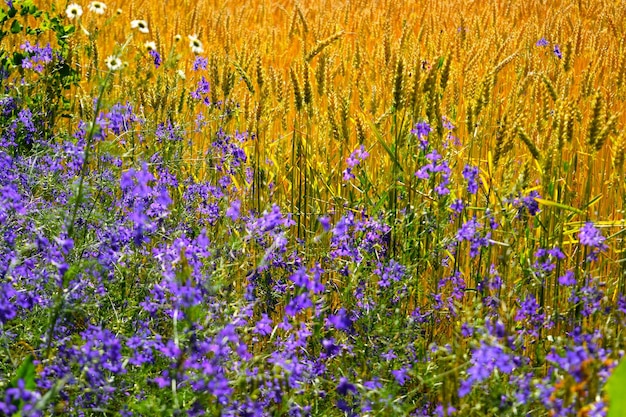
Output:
(308, 88)
(608, 127)
(321, 45)
(244, 76)
(593, 129)
(396, 104)
(297, 91)
(534, 151)
(549, 86)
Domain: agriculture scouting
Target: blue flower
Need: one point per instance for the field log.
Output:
(344, 386)
(590, 236)
(421, 130)
(470, 173)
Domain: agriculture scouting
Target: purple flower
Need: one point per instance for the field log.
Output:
(392, 272)
(344, 387)
(264, 326)
(436, 165)
(421, 130)
(156, 58)
(557, 51)
(300, 278)
(441, 412)
(374, 384)
(485, 360)
(233, 211)
(17, 395)
(447, 124)
(401, 375)
(8, 309)
(470, 173)
(347, 174)
(8, 105)
(542, 42)
(546, 259)
(433, 156)
(389, 355)
(203, 88)
(297, 304)
(325, 222)
(526, 203)
(200, 63)
(356, 157)
(120, 118)
(589, 235)
(467, 330)
(340, 321)
(469, 232)
(457, 205)
(531, 203)
(529, 310)
(37, 56)
(330, 347)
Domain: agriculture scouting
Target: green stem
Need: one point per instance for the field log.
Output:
(59, 297)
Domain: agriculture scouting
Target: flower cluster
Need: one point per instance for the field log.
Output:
(436, 166)
(470, 173)
(591, 237)
(356, 157)
(37, 56)
(526, 204)
(470, 231)
(421, 130)
(75, 11)
(486, 359)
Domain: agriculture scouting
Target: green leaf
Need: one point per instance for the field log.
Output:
(17, 58)
(16, 27)
(381, 140)
(26, 372)
(28, 7)
(616, 388)
(33, 31)
(549, 203)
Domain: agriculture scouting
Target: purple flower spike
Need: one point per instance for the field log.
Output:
(590, 236)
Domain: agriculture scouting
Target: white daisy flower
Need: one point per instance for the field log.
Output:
(195, 44)
(150, 46)
(74, 10)
(97, 7)
(177, 38)
(140, 25)
(113, 63)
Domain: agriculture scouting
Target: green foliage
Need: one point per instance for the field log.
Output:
(47, 95)
(616, 388)
(26, 373)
